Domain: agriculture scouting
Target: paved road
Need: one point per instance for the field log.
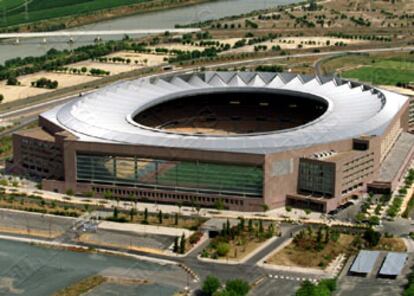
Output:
(55, 102)
(287, 231)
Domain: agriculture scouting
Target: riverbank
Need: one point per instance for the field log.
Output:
(61, 18)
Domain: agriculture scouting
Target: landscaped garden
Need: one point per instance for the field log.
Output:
(158, 219)
(236, 242)
(35, 203)
(316, 248)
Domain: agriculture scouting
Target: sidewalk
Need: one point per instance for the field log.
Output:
(141, 228)
(277, 215)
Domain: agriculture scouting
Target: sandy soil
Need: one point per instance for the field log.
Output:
(294, 42)
(152, 59)
(179, 46)
(12, 93)
(113, 68)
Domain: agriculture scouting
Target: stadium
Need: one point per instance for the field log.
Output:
(242, 140)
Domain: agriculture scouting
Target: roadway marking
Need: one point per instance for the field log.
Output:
(292, 278)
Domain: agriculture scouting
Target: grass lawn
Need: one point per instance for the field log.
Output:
(381, 69)
(387, 72)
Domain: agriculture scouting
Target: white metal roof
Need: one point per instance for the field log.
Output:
(393, 264)
(106, 115)
(365, 261)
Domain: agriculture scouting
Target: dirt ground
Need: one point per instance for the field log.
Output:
(292, 256)
(13, 93)
(151, 59)
(295, 42)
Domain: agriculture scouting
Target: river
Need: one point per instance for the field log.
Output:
(154, 20)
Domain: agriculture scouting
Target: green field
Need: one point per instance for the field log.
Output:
(13, 11)
(384, 72)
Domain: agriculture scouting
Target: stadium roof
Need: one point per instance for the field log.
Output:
(364, 262)
(106, 115)
(393, 264)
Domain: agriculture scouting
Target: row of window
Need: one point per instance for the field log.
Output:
(171, 175)
(355, 160)
(170, 196)
(352, 188)
(358, 168)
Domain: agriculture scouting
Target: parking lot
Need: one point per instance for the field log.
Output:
(33, 224)
(349, 285)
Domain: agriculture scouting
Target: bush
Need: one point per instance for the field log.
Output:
(374, 220)
(372, 237)
(12, 81)
(195, 237)
(237, 287)
(210, 285)
(222, 249)
(45, 83)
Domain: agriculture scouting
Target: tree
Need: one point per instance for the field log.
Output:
(176, 219)
(250, 225)
(227, 227)
(222, 249)
(261, 230)
(372, 237)
(146, 216)
(12, 81)
(132, 214)
(237, 287)
(218, 204)
(1, 98)
(175, 248)
(182, 244)
(265, 207)
(210, 285)
(160, 217)
(115, 213)
(270, 230)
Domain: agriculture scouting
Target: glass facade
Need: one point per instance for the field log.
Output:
(189, 176)
(316, 178)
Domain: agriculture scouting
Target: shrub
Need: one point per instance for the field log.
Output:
(195, 237)
(237, 287)
(372, 237)
(222, 249)
(210, 285)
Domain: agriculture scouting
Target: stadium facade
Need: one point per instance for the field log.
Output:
(243, 140)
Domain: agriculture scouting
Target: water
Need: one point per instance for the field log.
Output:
(37, 271)
(161, 19)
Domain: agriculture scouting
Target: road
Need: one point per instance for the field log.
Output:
(95, 33)
(46, 105)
